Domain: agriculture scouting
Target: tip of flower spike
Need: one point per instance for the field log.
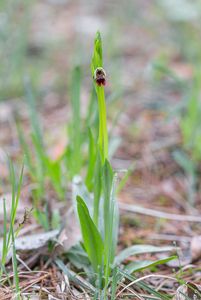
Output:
(98, 36)
(100, 76)
(98, 49)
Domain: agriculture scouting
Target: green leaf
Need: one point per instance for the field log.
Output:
(110, 217)
(31, 101)
(75, 127)
(75, 92)
(146, 264)
(26, 149)
(107, 187)
(140, 249)
(56, 219)
(54, 172)
(114, 283)
(91, 237)
(79, 258)
(125, 177)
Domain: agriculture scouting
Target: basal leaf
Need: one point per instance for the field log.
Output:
(91, 237)
(145, 264)
(139, 249)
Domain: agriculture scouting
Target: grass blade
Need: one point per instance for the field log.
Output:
(4, 245)
(15, 271)
(75, 128)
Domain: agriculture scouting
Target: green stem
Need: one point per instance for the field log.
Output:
(103, 135)
(97, 187)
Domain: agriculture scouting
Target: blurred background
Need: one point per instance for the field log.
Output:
(45, 39)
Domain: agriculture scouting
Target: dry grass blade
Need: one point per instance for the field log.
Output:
(158, 214)
(143, 278)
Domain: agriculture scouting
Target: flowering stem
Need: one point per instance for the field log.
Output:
(103, 134)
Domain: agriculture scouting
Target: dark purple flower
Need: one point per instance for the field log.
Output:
(100, 76)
